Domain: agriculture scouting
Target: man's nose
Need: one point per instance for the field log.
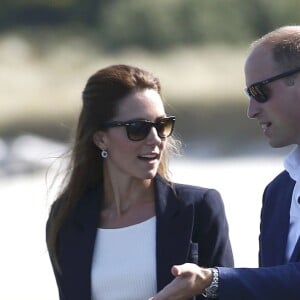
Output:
(253, 108)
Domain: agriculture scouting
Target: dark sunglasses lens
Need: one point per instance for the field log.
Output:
(165, 127)
(138, 130)
(258, 92)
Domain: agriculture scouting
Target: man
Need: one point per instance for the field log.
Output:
(272, 72)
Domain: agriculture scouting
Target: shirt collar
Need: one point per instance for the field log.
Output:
(292, 163)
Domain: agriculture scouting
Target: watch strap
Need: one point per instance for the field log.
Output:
(212, 290)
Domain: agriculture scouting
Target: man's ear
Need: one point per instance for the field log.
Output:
(99, 139)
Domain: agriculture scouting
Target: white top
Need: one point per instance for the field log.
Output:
(292, 165)
(124, 262)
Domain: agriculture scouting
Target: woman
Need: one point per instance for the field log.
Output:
(119, 224)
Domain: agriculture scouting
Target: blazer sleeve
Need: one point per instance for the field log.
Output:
(211, 231)
(268, 283)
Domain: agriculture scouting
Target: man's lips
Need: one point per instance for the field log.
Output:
(265, 127)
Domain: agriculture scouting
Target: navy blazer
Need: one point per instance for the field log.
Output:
(276, 279)
(191, 227)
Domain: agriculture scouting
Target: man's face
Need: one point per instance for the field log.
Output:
(279, 116)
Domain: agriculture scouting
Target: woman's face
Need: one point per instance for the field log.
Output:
(135, 159)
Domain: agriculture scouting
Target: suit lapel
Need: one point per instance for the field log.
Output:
(283, 222)
(277, 222)
(173, 231)
(296, 253)
(280, 232)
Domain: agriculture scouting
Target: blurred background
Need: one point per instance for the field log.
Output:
(49, 48)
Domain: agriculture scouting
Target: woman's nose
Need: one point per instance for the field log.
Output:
(153, 136)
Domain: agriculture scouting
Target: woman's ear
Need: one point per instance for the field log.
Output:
(99, 139)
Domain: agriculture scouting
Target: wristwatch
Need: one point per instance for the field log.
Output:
(212, 290)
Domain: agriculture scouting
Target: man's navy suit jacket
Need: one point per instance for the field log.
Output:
(276, 279)
(191, 226)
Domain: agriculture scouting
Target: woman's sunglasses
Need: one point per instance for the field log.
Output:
(260, 92)
(138, 130)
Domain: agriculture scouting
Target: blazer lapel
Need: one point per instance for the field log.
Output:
(173, 231)
(173, 239)
(77, 250)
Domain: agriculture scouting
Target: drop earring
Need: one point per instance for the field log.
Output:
(104, 153)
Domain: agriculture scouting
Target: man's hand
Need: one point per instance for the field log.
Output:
(190, 280)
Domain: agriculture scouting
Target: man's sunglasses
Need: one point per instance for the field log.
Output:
(138, 130)
(260, 92)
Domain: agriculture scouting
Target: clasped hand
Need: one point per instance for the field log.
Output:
(190, 280)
